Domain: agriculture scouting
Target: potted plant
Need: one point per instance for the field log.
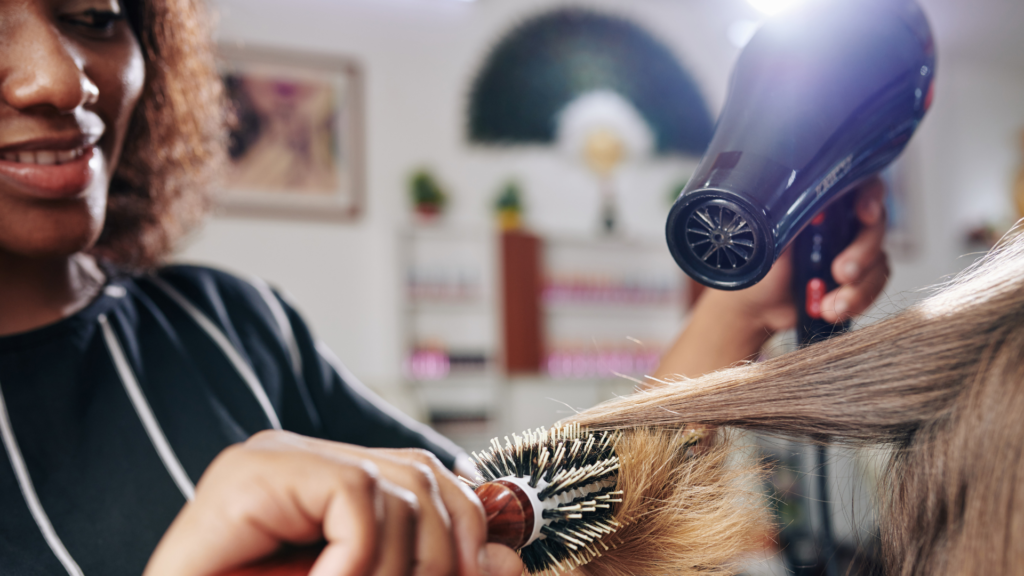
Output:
(509, 207)
(428, 199)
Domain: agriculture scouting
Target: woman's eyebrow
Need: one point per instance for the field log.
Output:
(96, 5)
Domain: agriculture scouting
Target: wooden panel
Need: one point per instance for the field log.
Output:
(521, 295)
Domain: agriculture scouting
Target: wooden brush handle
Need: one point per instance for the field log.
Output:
(509, 521)
(509, 513)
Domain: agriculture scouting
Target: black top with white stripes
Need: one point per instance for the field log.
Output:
(110, 416)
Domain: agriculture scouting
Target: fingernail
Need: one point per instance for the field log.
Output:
(851, 269)
(483, 562)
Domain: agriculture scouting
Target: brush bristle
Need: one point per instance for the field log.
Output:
(580, 470)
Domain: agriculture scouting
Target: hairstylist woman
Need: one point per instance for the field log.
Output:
(122, 384)
(118, 390)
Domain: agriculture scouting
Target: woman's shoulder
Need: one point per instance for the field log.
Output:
(229, 300)
(207, 286)
(213, 282)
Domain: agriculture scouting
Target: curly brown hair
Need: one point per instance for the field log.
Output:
(176, 142)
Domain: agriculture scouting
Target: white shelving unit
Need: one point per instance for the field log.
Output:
(611, 305)
(620, 302)
(452, 319)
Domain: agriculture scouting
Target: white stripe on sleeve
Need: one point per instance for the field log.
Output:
(28, 492)
(243, 369)
(283, 324)
(142, 408)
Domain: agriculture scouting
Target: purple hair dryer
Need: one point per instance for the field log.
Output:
(821, 98)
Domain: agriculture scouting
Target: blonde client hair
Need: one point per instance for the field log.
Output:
(941, 383)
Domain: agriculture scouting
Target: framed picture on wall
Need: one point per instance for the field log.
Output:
(296, 142)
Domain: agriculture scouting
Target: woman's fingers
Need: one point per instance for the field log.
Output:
(468, 521)
(852, 263)
(852, 299)
(871, 202)
(861, 269)
(393, 554)
(399, 534)
(502, 561)
(435, 553)
(417, 472)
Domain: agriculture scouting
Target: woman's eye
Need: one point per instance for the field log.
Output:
(101, 21)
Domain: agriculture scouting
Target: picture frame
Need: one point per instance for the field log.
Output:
(296, 136)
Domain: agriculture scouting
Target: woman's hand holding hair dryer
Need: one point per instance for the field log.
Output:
(728, 327)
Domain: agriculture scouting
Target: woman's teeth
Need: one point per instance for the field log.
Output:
(44, 157)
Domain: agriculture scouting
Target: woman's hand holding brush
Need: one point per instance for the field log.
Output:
(380, 512)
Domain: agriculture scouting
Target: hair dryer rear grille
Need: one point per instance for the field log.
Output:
(720, 237)
(718, 240)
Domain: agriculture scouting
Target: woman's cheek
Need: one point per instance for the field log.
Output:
(126, 84)
(133, 78)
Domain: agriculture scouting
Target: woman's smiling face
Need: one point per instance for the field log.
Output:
(71, 72)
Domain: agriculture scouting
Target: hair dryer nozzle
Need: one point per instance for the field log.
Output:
(720, 239)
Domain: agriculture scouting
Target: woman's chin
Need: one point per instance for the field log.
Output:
(62, 233)
(48, 228)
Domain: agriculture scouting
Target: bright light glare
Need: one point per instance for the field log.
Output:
(741, 31)
(772, 6)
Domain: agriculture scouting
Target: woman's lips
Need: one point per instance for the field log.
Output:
(50, 174)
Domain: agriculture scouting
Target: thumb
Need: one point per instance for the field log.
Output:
(502, 561)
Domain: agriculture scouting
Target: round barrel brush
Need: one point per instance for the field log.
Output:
(551, 495)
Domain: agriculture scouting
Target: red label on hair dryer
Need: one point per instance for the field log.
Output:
(815, 294)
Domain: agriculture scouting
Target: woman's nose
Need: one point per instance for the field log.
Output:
(40, 69)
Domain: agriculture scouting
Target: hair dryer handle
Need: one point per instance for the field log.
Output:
(814, 249)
